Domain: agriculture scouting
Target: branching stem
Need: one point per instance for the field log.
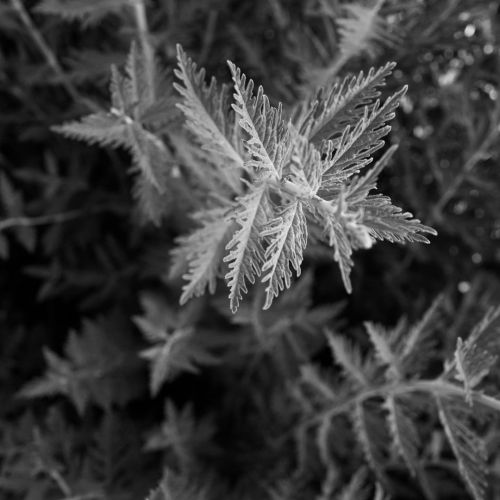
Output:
(438, 387)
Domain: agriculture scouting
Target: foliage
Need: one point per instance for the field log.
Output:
(139, 194)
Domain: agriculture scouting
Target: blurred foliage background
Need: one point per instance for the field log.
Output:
(75, 257)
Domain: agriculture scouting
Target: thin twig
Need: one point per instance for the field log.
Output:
(141, 22)
(49, 56)
(208, 36)
(58, 218)
(469, 165)
(445, 15)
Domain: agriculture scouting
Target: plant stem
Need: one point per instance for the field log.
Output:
(49, 56)
(438, 387)
(467, 168)
(43, 220)
(141, 22)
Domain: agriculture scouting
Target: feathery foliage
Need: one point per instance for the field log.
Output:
(176, 346)
(124, 372)
(88, 12)
(293, 181)
(298, 173)
(385, 384)
(85, 374)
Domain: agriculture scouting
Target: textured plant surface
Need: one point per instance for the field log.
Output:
(215, 286)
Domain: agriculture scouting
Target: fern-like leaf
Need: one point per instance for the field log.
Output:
(345, 232)
(100, 128)
(369, 430)
(325, 115)
(202, 249)
(246, 253)
(360, 186)
(139, 91)
(475, 356)
(288, 178)
(403, 430)
(152, 205)
(384, 349)
(385, 221)
(131, 95)
(358, 143)
(181, 431)
(349, 357)
(208, 114)
(287, 238)
(268, 142)
(339, 240)
(467, 446)
(420, 338)
(99, 367)
(148, 151)
(176, 345)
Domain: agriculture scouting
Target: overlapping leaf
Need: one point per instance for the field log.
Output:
(208, 114)
(246, 251)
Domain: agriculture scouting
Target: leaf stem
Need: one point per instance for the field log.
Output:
(437, 386)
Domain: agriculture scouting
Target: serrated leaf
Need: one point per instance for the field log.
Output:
(246, 254)
(208, 114)
(326, 114)
(359, 187)
(149, 153)
(268, 141)
(358, 142)
(202, 249)
(403, 430)
(384, 349)
(99, 367)
(420, 339)
(138, 88)
(301, 176)
(286, 237)
(179, 350)
(153, 205)
(475, 356)
(104, 129)
(182, 433)
(131, 94)
(468, 448)
(385, 221)
(369, 430)
(338, 236)
(176, 344)
(349, 357)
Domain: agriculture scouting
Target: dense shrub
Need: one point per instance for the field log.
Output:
(215, 288)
